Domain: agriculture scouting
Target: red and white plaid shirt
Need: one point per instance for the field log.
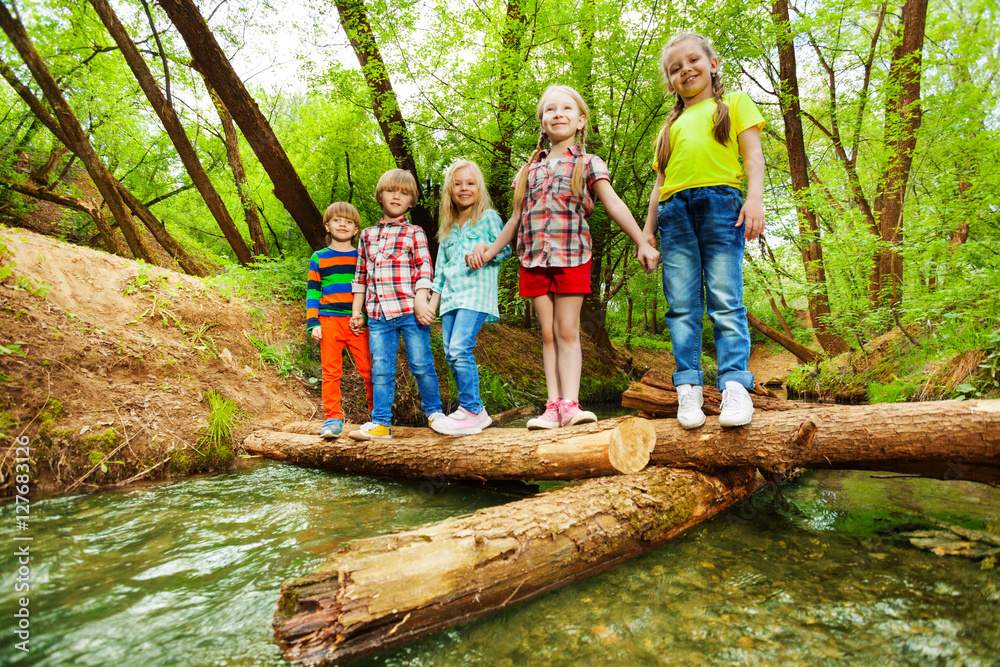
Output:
(554, 230)
(393, 263)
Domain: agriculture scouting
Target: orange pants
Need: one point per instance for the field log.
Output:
(336, 336)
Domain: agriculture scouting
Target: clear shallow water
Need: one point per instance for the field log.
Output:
(187, 573)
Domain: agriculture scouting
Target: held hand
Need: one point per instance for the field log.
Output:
(752, 216)
(423, 311)
(317, 333)
(648, 257)
(357, 324)
(477, 257)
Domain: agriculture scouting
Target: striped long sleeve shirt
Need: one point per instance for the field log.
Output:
(328, 288)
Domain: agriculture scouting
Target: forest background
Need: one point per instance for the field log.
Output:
(881, 147)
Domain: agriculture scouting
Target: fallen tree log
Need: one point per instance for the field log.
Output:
(939, 439)
(379, 592)
(656, 396)
(593, 450)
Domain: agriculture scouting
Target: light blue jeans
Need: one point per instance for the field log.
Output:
(459, 329)
(703, 265)
(383, 341)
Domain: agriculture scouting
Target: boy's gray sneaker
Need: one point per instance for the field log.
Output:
(331, 428)
(689, 402)
(737, 406)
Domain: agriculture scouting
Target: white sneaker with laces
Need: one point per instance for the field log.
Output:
(737, 406)
(689, 402)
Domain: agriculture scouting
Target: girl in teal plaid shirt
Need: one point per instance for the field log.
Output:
(553, 195)
(467, 298)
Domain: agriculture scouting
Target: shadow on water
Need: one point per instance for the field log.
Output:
(187, 573)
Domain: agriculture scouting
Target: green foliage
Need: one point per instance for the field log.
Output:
(286, 359)
(500, 393)
(11, 348)
(898, 391)
(223, 415)
(268, 280)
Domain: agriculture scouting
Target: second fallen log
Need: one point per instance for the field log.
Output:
(379, 592)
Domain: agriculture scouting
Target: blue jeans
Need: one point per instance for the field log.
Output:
(703, 265)
(459, 329)
(383, 340)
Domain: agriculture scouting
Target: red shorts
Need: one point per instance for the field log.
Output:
(541, 280)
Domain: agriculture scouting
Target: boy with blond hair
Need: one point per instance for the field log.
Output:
(329, 302)
(392, 285)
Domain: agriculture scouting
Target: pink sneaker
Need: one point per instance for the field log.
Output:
(549, 419)
(462, 422)
(570, 414)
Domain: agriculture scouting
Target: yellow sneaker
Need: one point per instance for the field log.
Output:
(370, 431)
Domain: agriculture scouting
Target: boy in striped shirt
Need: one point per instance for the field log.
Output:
(328, 311)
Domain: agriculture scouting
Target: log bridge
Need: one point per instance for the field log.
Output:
(382, 591)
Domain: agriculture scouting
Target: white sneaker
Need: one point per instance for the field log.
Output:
(468, 424)
(737, 406)
(689, 402)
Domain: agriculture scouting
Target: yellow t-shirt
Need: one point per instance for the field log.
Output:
(696, 158)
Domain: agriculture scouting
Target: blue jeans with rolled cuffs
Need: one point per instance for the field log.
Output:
(383, 341)
(703, 266)
(459, 329)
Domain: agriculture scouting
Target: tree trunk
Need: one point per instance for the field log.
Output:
(72, 136)
(798, 349)
(509, 64)
(162, 236)
(902, 120)
(770, 297)
(383, 591)
(496, 454)
(656, 397)
(210, 60)
(810, 243)
(940, 439)
(240, 175)
(172, 124)
(93, 209)
(385, 105)
(41, 175)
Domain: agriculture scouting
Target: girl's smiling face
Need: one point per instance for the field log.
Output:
(689, 71)
(464, 190)
(561, 117)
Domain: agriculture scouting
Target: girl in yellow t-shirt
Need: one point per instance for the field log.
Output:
(704, 223)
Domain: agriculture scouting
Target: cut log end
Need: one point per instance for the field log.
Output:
(631, 443)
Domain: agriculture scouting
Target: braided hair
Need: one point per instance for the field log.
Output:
(720, 130)
(576, 184)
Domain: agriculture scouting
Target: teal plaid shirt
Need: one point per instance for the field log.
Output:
(460, 286)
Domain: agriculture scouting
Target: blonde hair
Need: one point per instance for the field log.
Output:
(397, 179)
(449, 216)
(721, 128)
(521, 183)
(341, 209)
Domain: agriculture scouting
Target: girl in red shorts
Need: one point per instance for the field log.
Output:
(553, 194)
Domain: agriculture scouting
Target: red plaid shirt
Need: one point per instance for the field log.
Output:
(393, 263)
(554, 230)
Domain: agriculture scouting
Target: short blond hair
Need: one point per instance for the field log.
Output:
(397, 179)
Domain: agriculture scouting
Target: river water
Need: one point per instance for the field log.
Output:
(187, 573)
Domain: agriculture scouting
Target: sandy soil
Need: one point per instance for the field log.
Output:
(125, 346)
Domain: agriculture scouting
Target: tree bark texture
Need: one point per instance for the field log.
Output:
(72, 136)
(509, 64)
(809, 235)
(213, 64)
(939, 439)
(239, 175)
(172, 124)
(383, 591)
(656, 396)
(804, 354)
(496, 454)
(385, 105)
(902, 122)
